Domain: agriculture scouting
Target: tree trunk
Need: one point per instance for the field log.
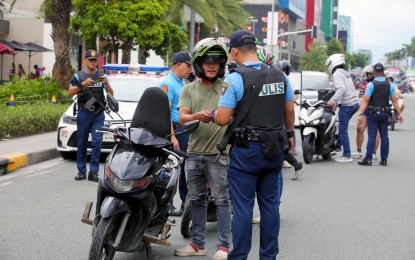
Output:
(62, 70)
(142, 55)
(126, 52)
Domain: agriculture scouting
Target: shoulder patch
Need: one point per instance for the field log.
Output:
(165, 88)
(225, 86)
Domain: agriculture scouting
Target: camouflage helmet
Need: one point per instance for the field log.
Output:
(209, 48)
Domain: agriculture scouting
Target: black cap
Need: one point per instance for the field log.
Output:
(240, 38)
(378, 67)
(91, 55)
(182, 57)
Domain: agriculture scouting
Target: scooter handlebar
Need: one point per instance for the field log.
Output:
(107, 129)
(180, 152)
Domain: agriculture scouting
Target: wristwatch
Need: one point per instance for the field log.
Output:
(290, 133)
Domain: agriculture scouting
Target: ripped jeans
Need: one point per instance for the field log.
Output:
(200, 170)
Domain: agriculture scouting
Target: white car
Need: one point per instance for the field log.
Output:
(128, 88)
(309, 82)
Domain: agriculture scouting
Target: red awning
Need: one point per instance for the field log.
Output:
(4, 49)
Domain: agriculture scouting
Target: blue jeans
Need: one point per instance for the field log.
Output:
(377, 122)
(87, 122)
(183, 142)
(250, 172)
(200, 170)
(345, 114)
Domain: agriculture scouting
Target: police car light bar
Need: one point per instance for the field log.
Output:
(135, 67)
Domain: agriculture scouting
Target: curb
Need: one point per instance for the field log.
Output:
(13, 161)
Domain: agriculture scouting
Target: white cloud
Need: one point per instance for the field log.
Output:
(382, 25)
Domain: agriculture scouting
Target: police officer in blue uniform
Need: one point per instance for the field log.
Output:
(90, 116)
(376, 100)
(258, 140)
(172, 85)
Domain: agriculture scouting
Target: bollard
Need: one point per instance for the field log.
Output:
(53, 100)
(11, 103)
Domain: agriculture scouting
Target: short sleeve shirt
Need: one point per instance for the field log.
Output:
(235, 92)
(172, 86)
(75, 80)
(198, 98)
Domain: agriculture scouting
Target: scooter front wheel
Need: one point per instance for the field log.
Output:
(186, 224)
(104, 235)
(308, 148)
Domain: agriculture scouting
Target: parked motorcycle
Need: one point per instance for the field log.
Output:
(318, 127)
(140, 179)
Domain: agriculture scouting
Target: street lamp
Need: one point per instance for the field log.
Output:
(253, 20)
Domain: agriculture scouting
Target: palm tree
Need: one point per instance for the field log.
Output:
(315, 59)
(60, 17)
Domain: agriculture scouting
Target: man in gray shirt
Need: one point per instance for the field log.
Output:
(346, 98)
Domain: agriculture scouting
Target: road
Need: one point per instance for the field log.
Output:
(335, 211)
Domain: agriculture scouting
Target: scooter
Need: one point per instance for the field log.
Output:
(140, 179)
(392, 116)
(317, 128)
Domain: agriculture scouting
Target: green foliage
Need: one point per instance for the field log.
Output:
(315, 59)
(359, 59)
(120, 20)
(30, 119)
(334, 46)
(31, 90)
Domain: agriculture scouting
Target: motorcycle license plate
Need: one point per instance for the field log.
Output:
(105, 138)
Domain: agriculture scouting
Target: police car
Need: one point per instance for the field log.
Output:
(128, 83)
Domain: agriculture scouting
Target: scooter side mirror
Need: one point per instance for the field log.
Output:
(190, 126)
(112, 103)
(297, 92)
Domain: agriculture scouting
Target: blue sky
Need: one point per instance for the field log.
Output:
(381, 25)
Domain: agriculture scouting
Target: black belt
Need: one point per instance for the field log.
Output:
(253, 136)
(92, 108)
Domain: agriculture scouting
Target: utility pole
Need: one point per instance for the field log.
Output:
(272, 26)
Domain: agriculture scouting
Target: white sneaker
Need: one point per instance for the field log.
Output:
(374, 157)
(220, 255)
(344, 159)
(286, 165)
(357, 155)
(299, 170)
(190, 250)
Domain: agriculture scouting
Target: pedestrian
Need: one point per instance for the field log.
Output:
(20, 71)
(36, 74)
(399, 95)
(197, 100)
(361, 127)
(289, 157)
(172, 86)
(12, 71)
(263, 100)
(87, 84)
(376, 99)
(346, 99)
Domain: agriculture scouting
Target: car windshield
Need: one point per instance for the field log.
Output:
(315, 82)
(130, 89)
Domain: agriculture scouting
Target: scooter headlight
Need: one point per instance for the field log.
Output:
(126, 185)
(315, 122)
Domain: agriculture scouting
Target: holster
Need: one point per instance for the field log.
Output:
(273, 142)
(241, 137)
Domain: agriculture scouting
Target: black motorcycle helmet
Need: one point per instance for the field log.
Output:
(209, 48)
(285, 66)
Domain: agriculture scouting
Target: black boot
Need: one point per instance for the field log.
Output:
(80, 176)
(93, 177)
(365, 162)
(384, 162)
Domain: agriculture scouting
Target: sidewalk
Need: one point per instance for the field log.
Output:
(23, 151)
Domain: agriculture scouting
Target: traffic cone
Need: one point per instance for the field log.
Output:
(53, 100)
(11, 103)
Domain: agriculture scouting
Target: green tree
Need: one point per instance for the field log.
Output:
(120, 22)
(315, 59)
(359, 59)
(334, 46)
